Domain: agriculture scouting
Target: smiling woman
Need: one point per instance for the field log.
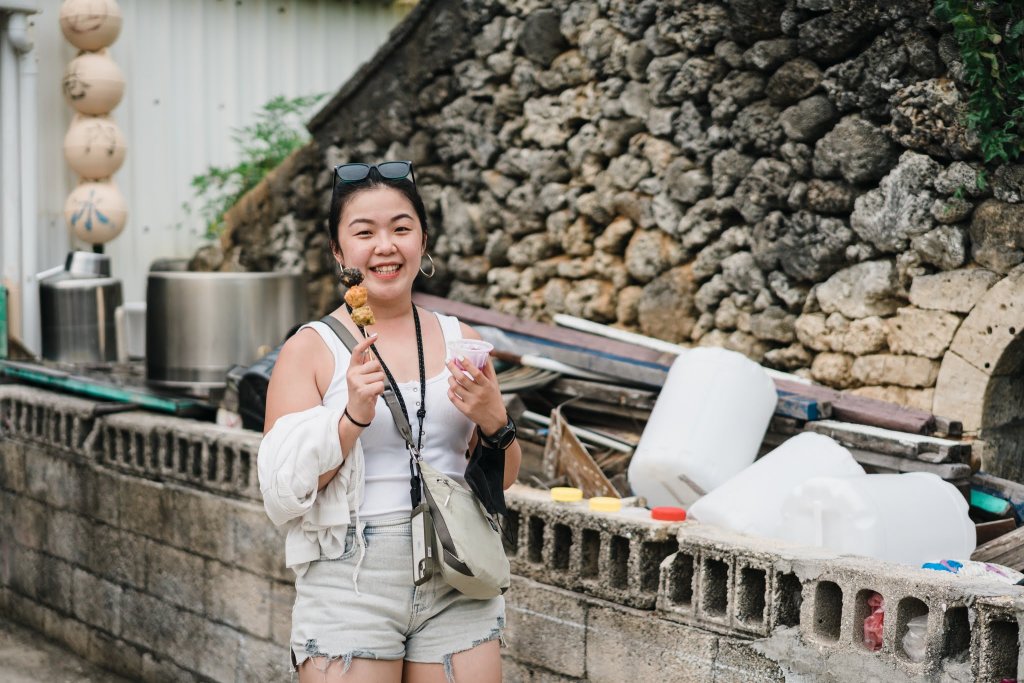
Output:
(350, 538)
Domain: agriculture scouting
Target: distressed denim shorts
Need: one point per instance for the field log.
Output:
(389, 617)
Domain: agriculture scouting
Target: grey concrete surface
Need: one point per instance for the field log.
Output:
(28, 657)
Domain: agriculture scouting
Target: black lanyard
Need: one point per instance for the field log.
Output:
(414, 451)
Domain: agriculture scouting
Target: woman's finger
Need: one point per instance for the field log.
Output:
(361, 352)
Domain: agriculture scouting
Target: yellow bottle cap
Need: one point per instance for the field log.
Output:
(566, 494)
(605, 504)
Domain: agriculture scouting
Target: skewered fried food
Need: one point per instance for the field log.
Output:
(363, 316)
(350, 277)
(356, 296)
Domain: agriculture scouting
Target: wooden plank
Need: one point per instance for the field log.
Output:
(863, 410)
(606, 393)
(988, 531)
(916, 446)
(570, 458)
(802, 407)
(896, 464)
(1007, 550)
(1004, 488)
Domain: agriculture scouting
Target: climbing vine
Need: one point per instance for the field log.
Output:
(989, 35)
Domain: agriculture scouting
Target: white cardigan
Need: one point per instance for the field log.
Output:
(292, 456)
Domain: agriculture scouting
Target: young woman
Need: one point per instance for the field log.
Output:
(358, 615)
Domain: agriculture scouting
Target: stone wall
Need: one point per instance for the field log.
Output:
(788, 178)
(138, 542)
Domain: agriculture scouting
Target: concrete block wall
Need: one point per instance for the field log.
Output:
(152, 579)
(140, 543)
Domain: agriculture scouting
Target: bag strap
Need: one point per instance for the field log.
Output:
(389, 392)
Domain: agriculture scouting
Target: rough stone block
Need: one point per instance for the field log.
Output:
(12, 466)
(904, 371)
(157, 669)
(919, 332)
(161, 627)
(118, 556)
(238, 598)
(960, 391)
(260, 660)
(176, 575)
(737, 662)
(517, 672)
(97, 602)
(546, 627)
(25, 564)
(100, 499)
(259, 544)
(202, 523)
(921, 399)
(218, 658)
(69, 632)
(662, 657)
(282, 598)
(862, 290)
(984, 339)
(68, 536)
(956, 291)
(115, 654)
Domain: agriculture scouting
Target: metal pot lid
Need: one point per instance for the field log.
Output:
(87, 264)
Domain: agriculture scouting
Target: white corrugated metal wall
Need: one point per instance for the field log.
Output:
(194, 69)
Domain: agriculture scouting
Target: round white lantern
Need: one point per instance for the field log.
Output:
(94, 146)
(90, 24)
(93, 83)
(96, 212)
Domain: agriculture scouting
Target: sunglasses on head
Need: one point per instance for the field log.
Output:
(389, 170)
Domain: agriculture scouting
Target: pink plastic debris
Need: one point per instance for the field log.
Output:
(874, 622)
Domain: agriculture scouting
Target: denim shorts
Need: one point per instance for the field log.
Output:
(389, 617)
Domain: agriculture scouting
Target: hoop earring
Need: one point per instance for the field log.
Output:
(433, 268)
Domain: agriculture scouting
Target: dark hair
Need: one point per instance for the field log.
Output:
(343, 192)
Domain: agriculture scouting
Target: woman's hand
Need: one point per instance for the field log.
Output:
(477, 395)
(365, 379)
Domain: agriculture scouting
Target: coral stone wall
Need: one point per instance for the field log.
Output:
(787, 178)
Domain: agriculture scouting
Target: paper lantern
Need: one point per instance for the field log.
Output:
(94, 147)
(90, 24)
(93, 83)
(96, 212)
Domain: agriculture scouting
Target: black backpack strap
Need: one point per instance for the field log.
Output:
(389, 392)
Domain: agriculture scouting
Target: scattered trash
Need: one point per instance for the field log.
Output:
(913, 639)
(874, 623)
(970, 568)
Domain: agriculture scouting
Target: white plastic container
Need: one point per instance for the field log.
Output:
(706, 426)
(910, 518)
(751, 502)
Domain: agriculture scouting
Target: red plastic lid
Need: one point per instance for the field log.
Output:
(668, 514)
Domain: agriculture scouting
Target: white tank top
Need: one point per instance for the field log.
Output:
(446, 431)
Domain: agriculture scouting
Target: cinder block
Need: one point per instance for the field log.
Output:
(218, 658)
(260, 660)
(282, 599)
(546, 627)
(53, 480)
(996, 644)
(259, 544)
(54, 583)
(115, 654)
(145, 508)
(68, 536)
(12, 466)
(156, 669)
(238, 598)
(177, 576)
(736, 662)
(669, 652)
(96, 602)
(29, 522)
(202, 523)
(118, 556)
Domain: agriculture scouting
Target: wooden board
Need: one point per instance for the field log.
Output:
(1004, 488)
(1007, 550)
(989, 531)
(564, 454)
(895, 464)
(891, 442)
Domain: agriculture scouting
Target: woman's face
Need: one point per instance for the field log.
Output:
(379, 234)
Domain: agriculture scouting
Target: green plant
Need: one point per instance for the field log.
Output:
(988, 34)
(276, 133)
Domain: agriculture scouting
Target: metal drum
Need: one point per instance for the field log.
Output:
(77, 304)
(199, 325)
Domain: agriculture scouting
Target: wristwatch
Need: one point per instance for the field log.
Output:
(502, 438)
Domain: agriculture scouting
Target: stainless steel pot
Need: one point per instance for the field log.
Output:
(77, 303)
(198, 325)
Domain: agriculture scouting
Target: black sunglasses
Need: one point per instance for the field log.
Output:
(390, 170)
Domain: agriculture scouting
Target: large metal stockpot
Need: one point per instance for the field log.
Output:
(77, 304)
(198, 325)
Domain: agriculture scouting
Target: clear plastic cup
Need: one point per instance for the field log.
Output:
(474, 351)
